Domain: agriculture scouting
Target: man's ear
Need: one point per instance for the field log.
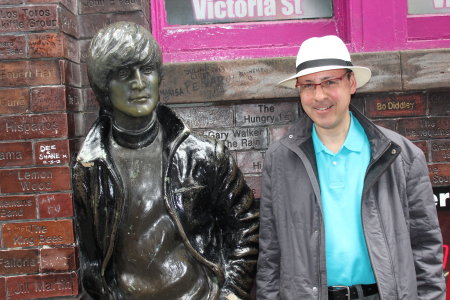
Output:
(352, 83)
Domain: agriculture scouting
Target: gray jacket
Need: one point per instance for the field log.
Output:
(398, 213)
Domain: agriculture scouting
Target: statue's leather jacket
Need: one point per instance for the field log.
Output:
(204, 193)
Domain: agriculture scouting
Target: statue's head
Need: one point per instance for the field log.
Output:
(124, 66)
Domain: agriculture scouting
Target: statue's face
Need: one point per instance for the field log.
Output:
(133, 90)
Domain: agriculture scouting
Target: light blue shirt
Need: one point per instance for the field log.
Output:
(341, 178)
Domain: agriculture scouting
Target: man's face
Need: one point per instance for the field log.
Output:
(133, 90)
(327, 104)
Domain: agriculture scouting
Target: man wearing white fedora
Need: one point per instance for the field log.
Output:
(347, 209)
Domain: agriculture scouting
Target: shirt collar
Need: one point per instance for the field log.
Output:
(353, 142)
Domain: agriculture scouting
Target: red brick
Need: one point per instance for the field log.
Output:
(55, 206)
(69, 4)
(45, 99)
(13, 2)
(46, 45)
(439, 174)
(84, 49)
(2, 288)
(84, 76)
(20, 73)
(424, 147)
(52, 152)
(16, 154)
(34, 180)
(100, 6)
(58, 260)
(439, 103)
(12, 47)
(440, 151)
(395, 105)
(390, 124)
(250, 161)
(424, 128)
(33, 126)
(30, 234)
(254, 182)
(53, 45)
(71, 73)
(136, 16)
(81, 100)
(68, 21)
(91, 24)
(29, 18)
(13, 101)
(244, 138)
(266, 113)
(42, 286)
(17, 208)
(19, 261)
(80, 123)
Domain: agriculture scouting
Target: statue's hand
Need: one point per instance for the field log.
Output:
(230, 296)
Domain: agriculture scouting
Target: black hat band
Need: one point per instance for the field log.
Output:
(323, 62)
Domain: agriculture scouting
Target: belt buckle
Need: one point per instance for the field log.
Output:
(345, 287)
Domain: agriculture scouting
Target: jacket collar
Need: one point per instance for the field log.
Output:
(301, 133)
(95, 144)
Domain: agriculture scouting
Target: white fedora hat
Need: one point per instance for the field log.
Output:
(325, 53)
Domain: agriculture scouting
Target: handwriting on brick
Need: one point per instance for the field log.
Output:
(250, 161)
(15, 154)
(440, 150)
(31, 234)
(439, 174)
(19, 261)
(12, 47)
(424, 128)
(241, 138)
(17, 208)
(14, 101)
(33, 126)
(33, 180)
(28, 19)
(55, 205)
(263, 114)
(18, 73)
(51, 153)
(206, 117)
(42, 286)
(94, 6)
(396, 105)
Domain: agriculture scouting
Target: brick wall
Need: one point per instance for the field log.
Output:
(47, 107)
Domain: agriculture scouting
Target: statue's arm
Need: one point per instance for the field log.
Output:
(239, 220)
(89, 257)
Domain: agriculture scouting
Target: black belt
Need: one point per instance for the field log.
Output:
(350, 292)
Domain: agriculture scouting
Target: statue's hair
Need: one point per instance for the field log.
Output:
(115, 46)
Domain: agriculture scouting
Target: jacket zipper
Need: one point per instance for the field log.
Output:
(365, 191)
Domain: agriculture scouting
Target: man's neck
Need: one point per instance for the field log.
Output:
(334, 138)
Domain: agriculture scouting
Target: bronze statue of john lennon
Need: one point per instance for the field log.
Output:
(161, 212)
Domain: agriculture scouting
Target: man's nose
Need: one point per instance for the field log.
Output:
(319, 92)
(137, 82)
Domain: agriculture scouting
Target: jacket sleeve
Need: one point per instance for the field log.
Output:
(268, 275)
(238, 218)
(89, 256)
(426, 239)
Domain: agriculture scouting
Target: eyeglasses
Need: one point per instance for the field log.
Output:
(326, 85)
